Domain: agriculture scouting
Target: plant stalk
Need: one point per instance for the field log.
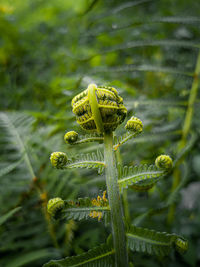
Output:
(118, 230)
(185, 131)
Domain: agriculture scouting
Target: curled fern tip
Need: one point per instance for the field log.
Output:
(181, 245)
(71, 137)
(99, 108)
(134, 125)
(55, 205)
(58, 159)
(164, 162)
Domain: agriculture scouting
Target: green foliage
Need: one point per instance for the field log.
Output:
(99, 256)
(84, 208)
(14, 158)
(89, 161)
(6, 217)
(142, 176)
(92, 137)
(51, 50)
(150, 241)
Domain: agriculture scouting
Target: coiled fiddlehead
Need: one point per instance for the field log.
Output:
(71, 137)
(134, 125)
(99, 108)
(181, 245)
(58, 159)
(164, 162)
(55, 205)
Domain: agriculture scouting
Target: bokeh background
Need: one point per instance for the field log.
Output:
(49, 52)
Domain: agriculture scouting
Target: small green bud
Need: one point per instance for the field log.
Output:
(71, 137)
(134, 125)
(181, 245)
(58, 159)
(164, 162)
(55, 205)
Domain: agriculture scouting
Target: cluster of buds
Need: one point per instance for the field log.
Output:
(99, 108)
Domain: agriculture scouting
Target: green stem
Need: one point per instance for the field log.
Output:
(124, 194)
(118, 231)
(186, 129)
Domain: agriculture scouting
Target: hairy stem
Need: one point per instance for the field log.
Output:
(125, 194)
(185, 131)
(118, 231)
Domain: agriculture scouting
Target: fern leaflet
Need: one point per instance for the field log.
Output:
(89, 161)
(142, 176)
(150, 241)
(123, 139)
(10, 167)
(92, 137)
(96, 257)
(84, 208)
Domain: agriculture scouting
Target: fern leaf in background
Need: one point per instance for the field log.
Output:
(141, 176)
(99, 256)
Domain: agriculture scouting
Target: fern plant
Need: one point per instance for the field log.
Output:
(101, 110)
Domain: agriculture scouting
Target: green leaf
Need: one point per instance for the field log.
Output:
(141, 43)
(143, 68)
(84, 213)
(13, 126)
(97, 257)
(84, 208)
(89, 161)
(142, 176)
(118, 141)
(150, 241)
(7, 216)
(29, 257)
(10, 167)
(92, 137)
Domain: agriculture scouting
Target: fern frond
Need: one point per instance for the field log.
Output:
(118, 141)
(15, 163)
(151, 242)
(166, 42)
(89, 161)
(144, 68)
(190, 20)
(143, 177)
(92, 137)
(85, 212)
(97, 257)
(15, 126)
(10, 167)
(84, 208)
(5, 217)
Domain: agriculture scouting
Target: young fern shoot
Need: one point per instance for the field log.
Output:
(100, 110)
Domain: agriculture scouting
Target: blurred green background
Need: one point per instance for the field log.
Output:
(49, 52)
